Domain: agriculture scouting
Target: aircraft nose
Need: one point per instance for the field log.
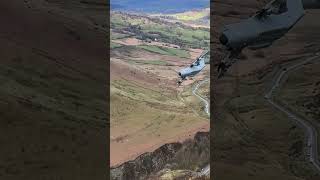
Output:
(180, 74)
(223, 39)
(233, 39)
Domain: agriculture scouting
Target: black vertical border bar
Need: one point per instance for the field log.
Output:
(108, 90)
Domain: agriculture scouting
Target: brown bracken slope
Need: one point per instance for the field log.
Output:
(53, 90)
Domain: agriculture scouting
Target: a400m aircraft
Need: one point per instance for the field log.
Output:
(262, 29)
(194, 68)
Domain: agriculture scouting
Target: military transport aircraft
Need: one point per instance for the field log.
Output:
(260, 30)
(193, 69)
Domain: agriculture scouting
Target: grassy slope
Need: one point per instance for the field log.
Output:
(192, 15)
(152, 62)
(148, 115)
(53, 108)
(114, 45)
(114, 35)
(166, 51)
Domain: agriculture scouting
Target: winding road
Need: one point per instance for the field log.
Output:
(194, 92)
(206, 170)
(312, 143)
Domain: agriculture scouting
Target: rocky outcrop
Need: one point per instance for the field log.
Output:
(168, 156)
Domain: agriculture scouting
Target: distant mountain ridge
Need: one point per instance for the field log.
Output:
(159, 6)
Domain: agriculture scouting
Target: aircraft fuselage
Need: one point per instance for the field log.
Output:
(264, 28)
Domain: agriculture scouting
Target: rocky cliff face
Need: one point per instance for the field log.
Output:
(193, 153)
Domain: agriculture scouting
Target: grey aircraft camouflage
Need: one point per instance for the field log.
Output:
(262, 29)
(194, 68)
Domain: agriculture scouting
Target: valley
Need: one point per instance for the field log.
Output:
(148, 108)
